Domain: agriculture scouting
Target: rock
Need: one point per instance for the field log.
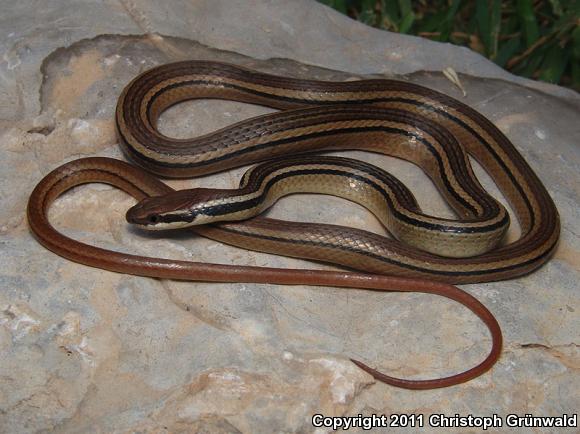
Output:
(85, 350)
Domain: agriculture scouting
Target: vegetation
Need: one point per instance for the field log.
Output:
(539, 39)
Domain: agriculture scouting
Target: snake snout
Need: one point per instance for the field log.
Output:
(142, 213)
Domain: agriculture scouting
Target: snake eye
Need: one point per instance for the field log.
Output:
(153, 219)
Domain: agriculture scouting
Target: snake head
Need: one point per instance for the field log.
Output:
(175, 210)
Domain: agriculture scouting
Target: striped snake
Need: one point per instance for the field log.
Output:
(396, 118)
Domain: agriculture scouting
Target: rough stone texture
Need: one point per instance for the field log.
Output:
(82, 350)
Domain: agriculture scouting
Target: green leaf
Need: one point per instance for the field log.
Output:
(494, 27)
(431, 23)
(368, 14)
(368, 5)
(556, 7)
(448, 23)
(528, 67)
(576, 58)
(453, 10)
(391, 10)
(525, 10)
(554, 64)
(510, 25)
(576, 75)
(543, 35)
(407, 22)
(483, 25)
(576, 43)
(406, 8)
(339, 5)
(507, 51)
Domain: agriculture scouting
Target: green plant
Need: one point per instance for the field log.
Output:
(538, 39)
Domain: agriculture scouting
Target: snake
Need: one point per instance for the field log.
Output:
(397, 118)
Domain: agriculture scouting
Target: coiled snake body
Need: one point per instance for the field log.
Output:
(391, 117)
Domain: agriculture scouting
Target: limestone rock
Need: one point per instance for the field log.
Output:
(83, 350)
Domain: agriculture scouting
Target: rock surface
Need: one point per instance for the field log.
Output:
(83, 350)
